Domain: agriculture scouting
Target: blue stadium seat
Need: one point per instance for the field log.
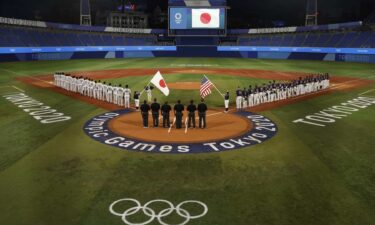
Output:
(30, 37)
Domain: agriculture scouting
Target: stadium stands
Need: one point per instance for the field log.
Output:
(23, 40)
(365, 39)
(13, 36)
(346, 35)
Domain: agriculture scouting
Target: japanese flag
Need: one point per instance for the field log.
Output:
(159, 82)
(205, 18)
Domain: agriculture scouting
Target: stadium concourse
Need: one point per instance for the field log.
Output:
(290, 121)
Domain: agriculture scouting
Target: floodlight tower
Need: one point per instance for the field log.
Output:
(312, 13)
(85, 13)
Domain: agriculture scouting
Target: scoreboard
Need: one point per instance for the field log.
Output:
(197, 21)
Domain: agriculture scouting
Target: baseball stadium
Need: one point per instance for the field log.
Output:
(207, 112)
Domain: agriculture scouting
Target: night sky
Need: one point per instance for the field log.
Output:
(243, 13)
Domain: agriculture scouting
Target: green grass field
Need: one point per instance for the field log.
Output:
(54, 174)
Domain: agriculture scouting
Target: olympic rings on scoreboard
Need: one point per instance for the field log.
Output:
(147, 210)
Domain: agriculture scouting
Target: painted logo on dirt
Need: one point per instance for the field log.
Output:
(98, 128)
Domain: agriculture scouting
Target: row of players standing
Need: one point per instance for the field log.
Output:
(178, 109)
(96, 89)
(273, 91)
(121, 96)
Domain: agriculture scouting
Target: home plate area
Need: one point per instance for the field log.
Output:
(220, 126)
(224, 132)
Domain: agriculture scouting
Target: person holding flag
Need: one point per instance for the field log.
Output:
(148, 90)
(159, 82)
(205, 89)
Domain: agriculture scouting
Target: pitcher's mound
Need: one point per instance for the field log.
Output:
(184, 85)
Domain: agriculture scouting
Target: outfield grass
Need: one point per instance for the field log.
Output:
(55, 174)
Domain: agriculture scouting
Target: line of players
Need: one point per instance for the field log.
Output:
(96, 89)
(273, 91)
(244, 97)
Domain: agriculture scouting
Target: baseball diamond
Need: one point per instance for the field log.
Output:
(187, 112)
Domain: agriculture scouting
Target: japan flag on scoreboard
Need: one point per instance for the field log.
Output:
(205, 18)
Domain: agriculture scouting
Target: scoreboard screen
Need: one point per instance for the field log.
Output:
(184, 18)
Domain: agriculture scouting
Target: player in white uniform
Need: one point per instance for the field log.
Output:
(71, 84)
(244, 98)
(110, 93)
(149, 93)
(251, 98)
(105, 91)
(115, 95)
(96, 90)
(239, 98)
(67, 82)
(91, 88)
(79, 85)
(99, 90)
(75, 84)
(86, 87)
(120, 95)
(55, 78)
(127, 94)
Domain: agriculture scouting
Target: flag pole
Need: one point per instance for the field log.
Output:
(214, 86)
(144, 89)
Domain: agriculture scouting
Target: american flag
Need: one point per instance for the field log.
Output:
(205, 87)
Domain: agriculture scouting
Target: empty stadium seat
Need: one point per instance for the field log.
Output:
(12, 36)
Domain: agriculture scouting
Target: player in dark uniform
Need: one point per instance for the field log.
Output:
(191, 109)
(226, 102)
(202, 108)
(145, 108)
(178, 109)
(155, 108)
(165, 110)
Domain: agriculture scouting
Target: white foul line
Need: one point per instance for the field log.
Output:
(22, 74)
(367, 92)
(18, 89)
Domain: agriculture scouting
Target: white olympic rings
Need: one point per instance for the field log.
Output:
(146, 210)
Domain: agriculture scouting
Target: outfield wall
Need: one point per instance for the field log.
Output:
(107, 52)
